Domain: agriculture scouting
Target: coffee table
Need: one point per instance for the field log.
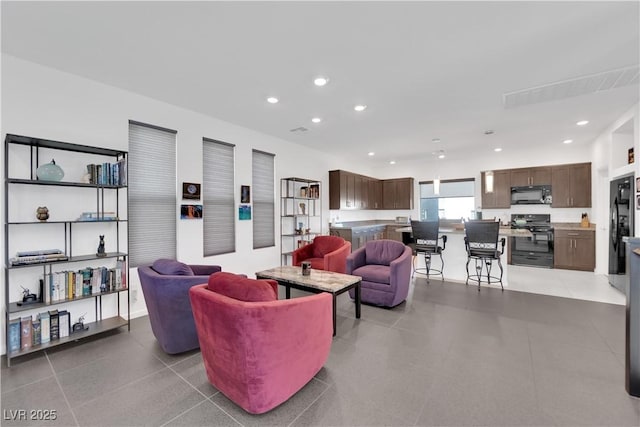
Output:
(316, 282)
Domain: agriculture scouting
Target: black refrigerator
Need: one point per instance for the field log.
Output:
(620, 228)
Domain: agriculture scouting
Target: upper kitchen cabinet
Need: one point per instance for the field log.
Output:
(375, 193)
(501, 196)
(571, 185)
(530, 176)
(397, 193)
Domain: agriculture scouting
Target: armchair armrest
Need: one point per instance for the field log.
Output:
(398, 267)
(204, 270)
(301, 254)
(337, 260)
(356, 259)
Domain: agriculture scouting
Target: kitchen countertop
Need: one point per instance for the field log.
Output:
(572, 226)
(504, 231)
(367, 223)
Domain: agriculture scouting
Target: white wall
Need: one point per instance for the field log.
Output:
(42, 102)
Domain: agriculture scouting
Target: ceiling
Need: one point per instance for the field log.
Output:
(425, 70)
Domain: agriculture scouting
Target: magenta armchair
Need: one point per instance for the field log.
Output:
(327, 253)
(257, 350)
(385, 268)
(165, 286)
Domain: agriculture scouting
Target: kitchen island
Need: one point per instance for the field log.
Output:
(455, 255)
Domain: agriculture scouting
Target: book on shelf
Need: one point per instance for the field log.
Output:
(36, 331)
(108, 173)
(63, 323)
(25, 332)
(45, 327)
(36, 259)
(97, 216)
(14, 334)
(53, 328)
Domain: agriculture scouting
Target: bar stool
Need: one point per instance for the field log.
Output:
(425, 237)
(481, 243)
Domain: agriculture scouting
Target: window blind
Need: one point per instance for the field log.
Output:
(218, 194)
(263, 199)
(152, 193)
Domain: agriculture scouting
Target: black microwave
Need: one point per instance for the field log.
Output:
(531, 195)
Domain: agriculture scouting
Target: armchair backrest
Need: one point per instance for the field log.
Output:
(383, 252)
(481, 236)
(323, 245)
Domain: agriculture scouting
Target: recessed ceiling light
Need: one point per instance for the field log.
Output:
(360, 107)
(320, 81)
(497, 150)
(582, 122)
(567, 141)
(392, 162)
(435, 140)
(371, 153)
(441, 156)
(272, 100)
(316, 120)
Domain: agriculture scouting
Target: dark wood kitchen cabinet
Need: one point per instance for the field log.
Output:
(574, 250)
(530, 176)
(342, 190)
(571, 186)
(397, 193)
(375, 194)
(501, 195)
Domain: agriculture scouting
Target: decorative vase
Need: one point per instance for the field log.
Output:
(42, 213)
(50, 172)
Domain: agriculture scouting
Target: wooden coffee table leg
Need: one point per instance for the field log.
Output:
(358, 300)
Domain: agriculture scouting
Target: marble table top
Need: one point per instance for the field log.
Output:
(326, 281)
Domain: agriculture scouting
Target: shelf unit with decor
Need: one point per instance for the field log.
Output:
(300, 214)
(84, 205)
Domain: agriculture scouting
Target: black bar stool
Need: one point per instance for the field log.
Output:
(481, 243)
(425, 237)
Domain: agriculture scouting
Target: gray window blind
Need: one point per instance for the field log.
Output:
(152, 193)
(218, 193)
(263, 200)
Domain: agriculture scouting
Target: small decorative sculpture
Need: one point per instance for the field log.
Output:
(79, 325)
(303, 209)
(27, 297)
(42, 213)
(101, 251)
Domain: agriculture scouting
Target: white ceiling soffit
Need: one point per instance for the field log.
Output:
(573, 87)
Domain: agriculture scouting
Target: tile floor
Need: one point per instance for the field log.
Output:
(449, 355)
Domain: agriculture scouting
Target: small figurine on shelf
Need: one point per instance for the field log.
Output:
(101, 251)
(79, 325)
(42, 213)
(303, 209)
(28, 297)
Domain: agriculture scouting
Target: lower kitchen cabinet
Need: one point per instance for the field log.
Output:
(574, 250)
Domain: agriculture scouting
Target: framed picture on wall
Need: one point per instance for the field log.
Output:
(190, 211)
(245, 194)
(190, 190)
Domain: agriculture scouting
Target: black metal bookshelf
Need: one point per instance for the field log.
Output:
(15, 228)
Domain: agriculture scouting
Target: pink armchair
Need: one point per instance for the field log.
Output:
(258, 350)
(327, 253)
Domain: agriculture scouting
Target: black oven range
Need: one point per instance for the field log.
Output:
(536, 250)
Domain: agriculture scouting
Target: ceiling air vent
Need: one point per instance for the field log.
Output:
(573, 87)
(299, 129)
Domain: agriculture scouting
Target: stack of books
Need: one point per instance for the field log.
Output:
(97, 216)
(38, 256)
(24, 332)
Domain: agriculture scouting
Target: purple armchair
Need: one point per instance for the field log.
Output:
(258, 350)
(385, 268)
(165, 286)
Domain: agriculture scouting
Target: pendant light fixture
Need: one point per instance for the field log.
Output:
(436, 186)
(488, 181)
